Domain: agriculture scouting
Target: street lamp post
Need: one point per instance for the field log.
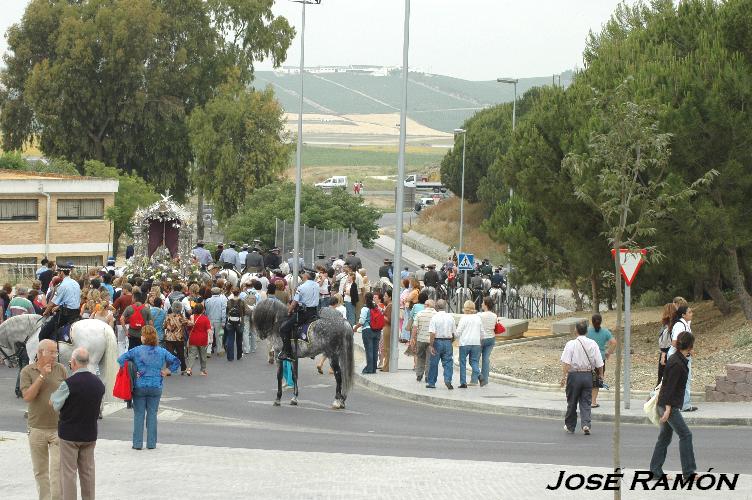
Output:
(514, 82)
(399, 208)
(299, 153)
(462, 202)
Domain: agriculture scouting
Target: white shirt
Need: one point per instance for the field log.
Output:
(488, 318)
(470, 329)
(442, 325)
(342, 310)
(680, 326)
(582, 354)
(264, 283)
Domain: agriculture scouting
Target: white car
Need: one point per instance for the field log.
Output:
(333, 182)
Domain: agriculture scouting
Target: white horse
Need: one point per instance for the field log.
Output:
(247, 278)
(95, 335)
(230, 275)
(285, 267)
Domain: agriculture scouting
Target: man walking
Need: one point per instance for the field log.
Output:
(421, 338)
(78, 400)
(38, 381)
(580, 357)
(216, 311)
(442, 330)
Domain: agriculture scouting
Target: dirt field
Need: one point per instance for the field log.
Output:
(714, 348)
(371, 124)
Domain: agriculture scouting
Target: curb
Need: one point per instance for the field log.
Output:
(526, 411)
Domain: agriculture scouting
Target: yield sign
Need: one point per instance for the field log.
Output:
(630, 263)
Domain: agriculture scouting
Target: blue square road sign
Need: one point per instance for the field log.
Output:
(466, 262)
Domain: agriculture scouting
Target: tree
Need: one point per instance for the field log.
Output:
(240, 145)
(335, 210)
(114, 80)
(14, 160)
(133, 193)
(623, 177)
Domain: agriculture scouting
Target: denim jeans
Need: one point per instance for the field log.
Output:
(444, 353)
(145, 403)
(486, 348)
(473, 352)
(350, 308)
(676, 424)
(233, 339)
(371, 345)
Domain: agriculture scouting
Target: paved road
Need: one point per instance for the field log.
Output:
(232, 407)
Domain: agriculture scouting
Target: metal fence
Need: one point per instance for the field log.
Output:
(313, 241)
(15, 273)
(512, 307)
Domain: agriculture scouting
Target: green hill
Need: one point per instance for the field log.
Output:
(439, 102)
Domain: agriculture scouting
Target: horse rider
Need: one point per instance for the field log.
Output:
(65, 304)
(109, 267)
(353, 261)
(431, 277)
(272, 260)
(485, 268)
(321, 261)
(306, 302)
(203, 256)
(240, 264)
(420, 274)
(229, 257)
(254, 262)
(291, 261)
(218, 251)
(497, 280)
(385, 271)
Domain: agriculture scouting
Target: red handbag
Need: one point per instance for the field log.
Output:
(499, 328)
(123, 389)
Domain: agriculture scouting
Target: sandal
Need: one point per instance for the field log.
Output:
(595, 406)
(189, 372)
(203, 373)
(321, 372)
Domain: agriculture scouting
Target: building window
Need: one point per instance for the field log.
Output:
(80, 209)
(4, 262)
(19, 210)
(80, 260)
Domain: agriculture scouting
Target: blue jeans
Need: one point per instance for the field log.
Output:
(371, 343)
(676, 424)
(287, 372)
(145, 403)
(444, 352)
(350, 308)
(473, 351)
(486, 348)
(233, 338)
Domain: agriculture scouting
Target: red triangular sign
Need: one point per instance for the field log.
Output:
(630, 263)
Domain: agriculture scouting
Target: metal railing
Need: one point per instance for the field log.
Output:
(512, 307)
(313, 241)
(14, 273)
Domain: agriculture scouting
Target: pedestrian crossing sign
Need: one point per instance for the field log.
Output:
(466, 262)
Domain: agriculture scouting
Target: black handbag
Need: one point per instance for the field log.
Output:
(597, 379)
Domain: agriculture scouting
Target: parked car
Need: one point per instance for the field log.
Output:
(333, 182)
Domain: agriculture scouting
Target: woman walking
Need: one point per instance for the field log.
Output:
(488, 339)
(683, 323)
(198, 340)
(235, 315)
(174, 327)
(603, 337)
(370, 337)
(469, 331)
(149, 360)
(670, 400)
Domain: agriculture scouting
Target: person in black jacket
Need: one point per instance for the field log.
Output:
(670, 401)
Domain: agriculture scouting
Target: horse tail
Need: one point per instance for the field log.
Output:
(347, 361)
(108, 365)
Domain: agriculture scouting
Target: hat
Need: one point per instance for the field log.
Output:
(66, 267)
(233, 244)
(353, 252)
(431, 266)
(332, 258)
(320, 256)
(110, 259)
(245, 246)
(200, 243)
(275, 250)
(387, 261)
(220, 244)
(255, 249)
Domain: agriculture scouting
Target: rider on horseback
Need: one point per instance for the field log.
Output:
(306, 301)
(65, 305)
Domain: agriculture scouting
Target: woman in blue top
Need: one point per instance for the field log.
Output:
(158, 315)
(149, 361)
(370, 337)
(604, 339)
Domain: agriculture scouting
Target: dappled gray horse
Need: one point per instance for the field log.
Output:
(329, 335)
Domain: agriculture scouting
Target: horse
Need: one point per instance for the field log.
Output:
(247, 278)
(329, 335)
(96, 336)
(230, 275)
(432, 293)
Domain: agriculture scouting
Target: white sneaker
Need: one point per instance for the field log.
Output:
(568, 430)
(586, 430)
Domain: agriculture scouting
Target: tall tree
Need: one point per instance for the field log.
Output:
(114, 80)
(623, 177)
(240, 144)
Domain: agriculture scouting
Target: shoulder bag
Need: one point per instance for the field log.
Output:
(597, 379)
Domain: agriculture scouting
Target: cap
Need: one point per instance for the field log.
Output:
(67, 266)
(111, 259)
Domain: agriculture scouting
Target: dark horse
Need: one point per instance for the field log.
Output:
(330, 335)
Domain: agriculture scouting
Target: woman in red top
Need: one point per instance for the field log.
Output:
(198, 339)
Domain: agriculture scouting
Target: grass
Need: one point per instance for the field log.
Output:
(442, 222)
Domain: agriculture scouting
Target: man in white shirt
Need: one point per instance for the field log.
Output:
(442, 329)
(580, 357)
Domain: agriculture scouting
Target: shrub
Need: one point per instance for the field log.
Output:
(651, 298)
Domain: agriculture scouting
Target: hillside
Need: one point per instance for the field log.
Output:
(435, 101)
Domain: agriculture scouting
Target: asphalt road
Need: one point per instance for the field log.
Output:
(232, 407)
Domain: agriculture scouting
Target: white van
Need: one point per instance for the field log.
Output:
(333, 182)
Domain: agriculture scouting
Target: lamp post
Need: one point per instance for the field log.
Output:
(462, 202)
(514, 82)
(399, 208)
(299, 155)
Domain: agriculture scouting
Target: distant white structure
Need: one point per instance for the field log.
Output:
(353, 69)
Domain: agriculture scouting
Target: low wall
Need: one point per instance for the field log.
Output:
(736, 386)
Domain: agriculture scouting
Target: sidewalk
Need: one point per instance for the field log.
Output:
(506, 399)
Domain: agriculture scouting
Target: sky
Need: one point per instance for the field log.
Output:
(470, 39)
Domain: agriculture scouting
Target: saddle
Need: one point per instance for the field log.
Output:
(62, 333)
(301, 332)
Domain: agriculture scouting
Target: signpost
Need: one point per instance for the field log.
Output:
(630, 263)
(466, 262)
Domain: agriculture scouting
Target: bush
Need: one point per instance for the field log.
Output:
(743, 339)
(651, 298)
